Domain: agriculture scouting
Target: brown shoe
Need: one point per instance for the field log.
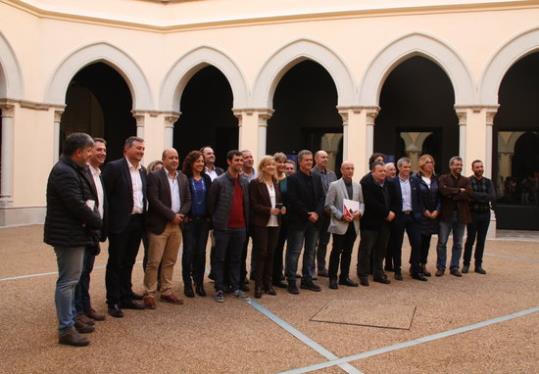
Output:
(73, 338)
(149, 302)
(94, 315)
(171, 299)
(84, 319)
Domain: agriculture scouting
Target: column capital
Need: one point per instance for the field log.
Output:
(262, 113)
(8, 108)
(171, 118)
(58, 115)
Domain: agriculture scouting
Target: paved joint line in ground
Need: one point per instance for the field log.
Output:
(415, 342)
(302, 337)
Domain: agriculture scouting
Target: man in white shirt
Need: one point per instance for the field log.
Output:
(209, 158)
(85, 313)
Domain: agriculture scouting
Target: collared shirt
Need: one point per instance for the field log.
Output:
(211, 173)
(481, 186)
(136, 182)
(96, 172)
(273, 221)
(175, 204)
(251, 176)
(406, 191)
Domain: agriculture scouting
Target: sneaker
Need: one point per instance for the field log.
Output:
(465, 269)
(73, 338)
(219, 296)
(240, 294)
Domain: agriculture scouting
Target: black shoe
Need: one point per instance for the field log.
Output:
(398, 276)
(211, 276)
(136, 296)
(73, 338)
(83, 328)
(244, 287)
(425, 271)
(455, 272)
(382, 280)
(440, 272)
(364, 282)
(419, 276)
(280, 284)
(258, 292)
(310, 286)
(323, 273)
(333, 284)
(348, 282)
(480, 270)
(270, 291)
(188, 291)
(200, 290)
(292, 288)
(465, 269)
(115, 311)
(130, 304)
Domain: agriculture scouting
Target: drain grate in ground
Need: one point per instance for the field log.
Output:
(362, 313)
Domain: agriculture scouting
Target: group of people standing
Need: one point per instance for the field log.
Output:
(280, 202)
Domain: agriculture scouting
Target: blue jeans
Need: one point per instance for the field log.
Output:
(296, 238)
(70, 262)
(228, 246)
(441, 248)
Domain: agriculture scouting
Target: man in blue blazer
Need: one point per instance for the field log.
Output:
(125, 185)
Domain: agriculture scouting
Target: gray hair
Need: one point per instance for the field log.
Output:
(303, 153)
(403, 160)
(132, 139)
(453, 159)
(76, 141)
(377, 163)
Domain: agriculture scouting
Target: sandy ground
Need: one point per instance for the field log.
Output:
(205, 337)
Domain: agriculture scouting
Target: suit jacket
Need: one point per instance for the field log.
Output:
(119, 190)
(376, 208)
(396, 197)
(160, 202)
(297, 203)
(336, 194)
(260, 202)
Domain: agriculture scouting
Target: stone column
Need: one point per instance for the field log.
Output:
(170, 119)
(140, 120)
(462, 114)
(6, 186)
(253, 125)
(56, 135)
(490, 114)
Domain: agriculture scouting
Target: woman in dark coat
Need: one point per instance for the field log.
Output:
(429, 206)
(196, 226)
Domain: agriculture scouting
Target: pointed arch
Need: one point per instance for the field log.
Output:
(192, 62)
(292, 54)
(11, 83)
(410, 46)
(110, 55)
(514, 50)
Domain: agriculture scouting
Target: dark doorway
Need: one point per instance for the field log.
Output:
(417, 107)
(98, 102)
(306, 115)
(207, 118)
(516, 146)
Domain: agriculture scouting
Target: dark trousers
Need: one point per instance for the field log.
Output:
(424, 248)
(404, 222)
(323, 240)
(265, 241)
(477, 229)
(82, 291)
(123, 250)
(372, 242)
(228, 243)
(277, 273)
(195, 238)
(342, 250)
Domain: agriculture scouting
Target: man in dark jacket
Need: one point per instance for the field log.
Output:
(306, 200)
(374, 225)
(228, 203)
(125, 184)
(71, 224)
(169, 202)
(455, 190)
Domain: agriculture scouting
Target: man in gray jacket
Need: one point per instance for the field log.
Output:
(228, 203)
(341, 198)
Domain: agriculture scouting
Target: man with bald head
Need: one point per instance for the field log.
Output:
(169, 200)
(327, 176)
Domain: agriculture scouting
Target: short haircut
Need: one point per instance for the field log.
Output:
(377, 163)
(203, 148)
(132, 139)
(100, 140)
(76, 141)
(164, 154)
(280, 157)
(475, 162)
(374, 156)
(403, 160)
(233, 153)
(453, 159)
(289, 161)
(303, 153)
